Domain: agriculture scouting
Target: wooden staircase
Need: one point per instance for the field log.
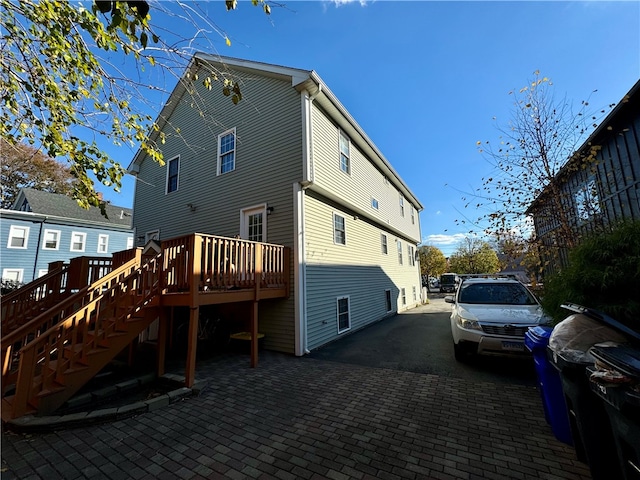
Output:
(47, 360)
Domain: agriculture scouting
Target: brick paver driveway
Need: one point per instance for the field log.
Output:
(294, 418)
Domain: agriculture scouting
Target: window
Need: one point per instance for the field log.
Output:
(12, 274)
(415, 294)
(374, 203)
(345, 155)
(339, 233)
(399, 244)
(254, 226)
(387, 294)
(403, 295)
(383, 241)
(401, 206)
(413, 215)
(51, 240)
(18, 237)
(227, 151)
(103, 243)
(344, 321)
(587, 200)
(78, 240)
(129, 243)
(411, 253)
(42, 272)
(173, 170)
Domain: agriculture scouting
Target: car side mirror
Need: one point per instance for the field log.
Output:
(449, 299)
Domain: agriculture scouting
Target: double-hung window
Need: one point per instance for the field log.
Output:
(413, 215)
(344, 320)
(78, 241)
(18, 237)
(410, 252)
(51, 240)
(227, 151)
(345, 153)
(401, 206)
(103, 243)
(173, 172)
(399, 244)
(339, 230)
(383, 242)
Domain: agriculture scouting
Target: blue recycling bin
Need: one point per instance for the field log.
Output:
(553, 402)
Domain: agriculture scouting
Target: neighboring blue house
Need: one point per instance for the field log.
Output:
(44, 227)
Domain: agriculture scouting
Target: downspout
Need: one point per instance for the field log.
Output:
(35, 262)
(301, 347)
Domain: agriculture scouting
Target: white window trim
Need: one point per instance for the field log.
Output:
(44, 239)
(415, 293)
(235, 151)
(106, 244)
(399, 250)
(42, 272)
(375, 204)
(333, 228)
(244, 227)
(403, 296)
(401, 205)
(413, 215)
(84, 241)
(129, 243)
(342, 134)
(11, 235)
(338, 313)
(384, 245)
(166, 182)
(411, 254)
(20, 274)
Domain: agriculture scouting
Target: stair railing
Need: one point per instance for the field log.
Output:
(69, 344)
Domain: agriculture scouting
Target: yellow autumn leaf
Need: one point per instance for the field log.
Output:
(227, 41)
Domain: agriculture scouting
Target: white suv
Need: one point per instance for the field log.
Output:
(491, 315)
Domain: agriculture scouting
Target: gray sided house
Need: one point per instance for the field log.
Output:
(44, 227)
(287, 165)
(601, 191)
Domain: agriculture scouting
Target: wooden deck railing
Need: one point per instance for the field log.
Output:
(15, 340)
(206, 263)
(45, 361)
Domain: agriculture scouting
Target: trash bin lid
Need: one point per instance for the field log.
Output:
(623, 358)
(537, 338)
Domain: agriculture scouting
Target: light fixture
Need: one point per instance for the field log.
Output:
(191, 206)
(269, 210)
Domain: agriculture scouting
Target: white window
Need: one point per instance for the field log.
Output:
(413, 215)
(253, 223)
(403, 295)
(42, 272)
(18, 237)
(415, 294)
(78, 240)
(227, 151)
(383, 241)
(129, 243)
(173, 172)
(103, 243)
(410, 252)
(587, 200)
(399, 245)
(401, 206)
(12, 274)
(344, 320)
(339, 231)
(374, 203)
(345, 153)
(387, 295)
(51, 240)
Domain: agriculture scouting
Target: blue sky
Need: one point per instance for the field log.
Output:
(425, 79)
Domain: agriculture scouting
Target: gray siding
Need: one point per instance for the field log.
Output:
(358, 269)
(268, 161)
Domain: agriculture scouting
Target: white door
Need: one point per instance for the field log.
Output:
(253, 223)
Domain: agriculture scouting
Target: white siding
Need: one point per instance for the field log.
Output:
(358, 269)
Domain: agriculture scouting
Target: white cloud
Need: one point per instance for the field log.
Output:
(442, 239)
(438, 212)
(339, 3)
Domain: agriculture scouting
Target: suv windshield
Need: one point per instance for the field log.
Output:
(495, 294)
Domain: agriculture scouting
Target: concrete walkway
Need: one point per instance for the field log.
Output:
(294, 418)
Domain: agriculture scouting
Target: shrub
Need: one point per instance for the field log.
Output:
(603, 274)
